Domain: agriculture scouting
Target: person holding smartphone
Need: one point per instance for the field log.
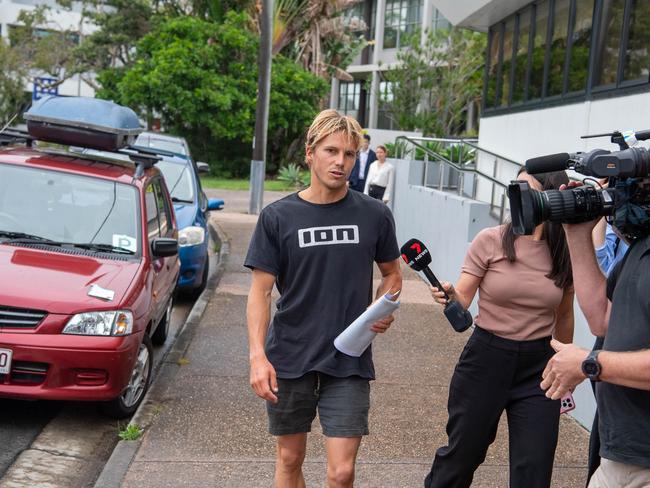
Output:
(526, 293)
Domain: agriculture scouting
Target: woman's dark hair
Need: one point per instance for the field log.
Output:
(553, 233)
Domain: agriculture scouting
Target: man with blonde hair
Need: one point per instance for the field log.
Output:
(318, 247)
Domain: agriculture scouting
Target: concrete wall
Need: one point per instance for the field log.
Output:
(447, 223)
(382, 136)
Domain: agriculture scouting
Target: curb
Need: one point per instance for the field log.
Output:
(125, 451)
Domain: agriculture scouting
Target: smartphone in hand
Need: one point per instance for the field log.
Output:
(566, 403)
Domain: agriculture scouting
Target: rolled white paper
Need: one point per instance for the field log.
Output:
(357, 336)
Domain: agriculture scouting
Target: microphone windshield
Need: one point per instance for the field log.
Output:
(544, 164)
(416, 254)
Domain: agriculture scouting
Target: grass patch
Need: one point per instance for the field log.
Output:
(235, 184)
(131, 433)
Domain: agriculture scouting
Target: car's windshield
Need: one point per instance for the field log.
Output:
(68, 208)
(178, 177)
(176, 147)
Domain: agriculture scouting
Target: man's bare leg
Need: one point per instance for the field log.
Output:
(341, 458)
(288, 463)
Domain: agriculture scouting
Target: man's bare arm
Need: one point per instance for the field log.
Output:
(258, 314)
(391, 280)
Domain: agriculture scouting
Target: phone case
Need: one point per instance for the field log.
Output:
(566, 403)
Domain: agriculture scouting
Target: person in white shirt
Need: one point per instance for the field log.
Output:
(379, 183)
(365, 157)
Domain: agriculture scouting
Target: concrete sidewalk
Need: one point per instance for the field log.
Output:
(207, 428)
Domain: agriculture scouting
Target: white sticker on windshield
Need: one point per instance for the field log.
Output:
(125, 242)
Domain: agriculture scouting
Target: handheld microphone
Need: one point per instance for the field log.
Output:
(417, 256)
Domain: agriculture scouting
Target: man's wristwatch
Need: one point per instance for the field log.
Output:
(591, 367)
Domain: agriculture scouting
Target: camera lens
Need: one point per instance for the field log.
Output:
(529, 208)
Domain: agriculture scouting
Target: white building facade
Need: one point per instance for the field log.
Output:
(388, 22)
(556, 70)
(59, 19)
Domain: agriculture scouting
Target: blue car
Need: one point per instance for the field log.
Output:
(190, 204)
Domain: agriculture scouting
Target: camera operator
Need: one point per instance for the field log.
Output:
(617, 308)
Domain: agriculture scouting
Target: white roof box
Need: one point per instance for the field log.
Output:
(84, 122)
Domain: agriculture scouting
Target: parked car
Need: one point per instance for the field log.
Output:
(88, 258)
(190, 204)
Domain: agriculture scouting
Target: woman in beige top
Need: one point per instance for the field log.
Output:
(379, 183)
(525, 295)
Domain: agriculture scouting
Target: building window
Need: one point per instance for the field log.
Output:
(565, 50)
(520, 79)
(439, 22)
(506, 62)
(578, 69)
(403, 17)
(558, 48)
(493, 64)
(538, 51)
(385, 118)
(610, 29)
(349, 98)
(637, 50)
(354, 17)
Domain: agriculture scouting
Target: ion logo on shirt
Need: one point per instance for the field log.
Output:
(325, 236)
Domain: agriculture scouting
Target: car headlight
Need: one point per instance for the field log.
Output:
(191, 236)
(113, 323)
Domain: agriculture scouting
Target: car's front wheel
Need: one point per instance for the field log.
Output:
(126, 404)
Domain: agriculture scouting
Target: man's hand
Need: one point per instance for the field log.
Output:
(263, 379)
(584, 228)
(564, 370)
(382, 324)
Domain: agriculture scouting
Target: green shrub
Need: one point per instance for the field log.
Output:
(293, 175)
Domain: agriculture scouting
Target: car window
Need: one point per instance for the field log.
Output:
(153, 225)
(164, 212)
(179, 178)
(68, 208)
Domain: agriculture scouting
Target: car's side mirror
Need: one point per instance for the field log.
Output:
(215, 204)
(203, 168)
(164, 247)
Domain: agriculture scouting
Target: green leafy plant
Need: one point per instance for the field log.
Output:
(130, 433)
(200, 77)
(293, 175)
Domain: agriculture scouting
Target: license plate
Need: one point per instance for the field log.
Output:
(5, 361)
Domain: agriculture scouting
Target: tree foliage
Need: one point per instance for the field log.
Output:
(436, 80)
(200, 77)
(316, 34)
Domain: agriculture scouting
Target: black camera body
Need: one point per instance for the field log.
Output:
(625, 203)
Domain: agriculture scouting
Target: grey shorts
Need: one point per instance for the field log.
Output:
(342, 405)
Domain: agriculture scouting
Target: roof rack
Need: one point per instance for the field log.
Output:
(11, 136)
(142, 158)
(88, 124)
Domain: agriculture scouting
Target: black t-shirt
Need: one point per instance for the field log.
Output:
(322, 257)
(624, 413)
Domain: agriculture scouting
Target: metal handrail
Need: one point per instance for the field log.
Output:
(462, 169)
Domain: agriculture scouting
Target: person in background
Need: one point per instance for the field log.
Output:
(525, 290)
(365, 157)
(379, 183)
(610, 249)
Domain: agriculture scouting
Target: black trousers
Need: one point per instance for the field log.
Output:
(492, 375)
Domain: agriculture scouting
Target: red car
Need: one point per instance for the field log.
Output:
(88, 267)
